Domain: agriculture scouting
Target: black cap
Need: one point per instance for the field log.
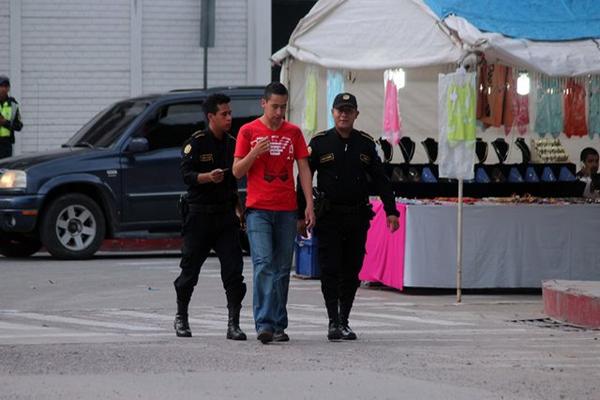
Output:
(344, 100)
(4, 80)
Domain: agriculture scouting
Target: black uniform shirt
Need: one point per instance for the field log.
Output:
(202, 153)
(343, 167)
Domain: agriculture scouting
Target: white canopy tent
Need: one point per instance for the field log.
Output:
(363, 38)
(370, 35)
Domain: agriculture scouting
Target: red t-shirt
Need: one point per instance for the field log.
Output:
(271, 177)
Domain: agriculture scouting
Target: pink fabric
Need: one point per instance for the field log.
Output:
(516, 108)
(522, 114)
(391, 115)
(510, 102)
(384, 261)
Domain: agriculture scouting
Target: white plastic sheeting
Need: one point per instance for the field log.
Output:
(570, 58)
(373, 34)
(509, 246)
(417, 100)
(382, 34)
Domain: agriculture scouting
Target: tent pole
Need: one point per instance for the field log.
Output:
(459, 240)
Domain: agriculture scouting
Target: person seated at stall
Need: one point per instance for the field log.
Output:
(589, 171)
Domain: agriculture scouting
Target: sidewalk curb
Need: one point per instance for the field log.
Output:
(573, 302)
(142, 244)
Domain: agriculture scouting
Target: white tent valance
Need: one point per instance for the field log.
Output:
(570, 58)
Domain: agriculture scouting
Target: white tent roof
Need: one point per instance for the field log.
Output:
(373, 34)
(380, 34)
(566, 58)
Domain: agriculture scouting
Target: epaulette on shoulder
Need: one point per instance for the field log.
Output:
(198, 134)
(319, 134)
(364, 134)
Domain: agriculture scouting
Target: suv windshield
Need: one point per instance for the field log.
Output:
(106, 127)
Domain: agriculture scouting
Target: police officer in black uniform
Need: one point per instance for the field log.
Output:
(209, 215)
(345, 160)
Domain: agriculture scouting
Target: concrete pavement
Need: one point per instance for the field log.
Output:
(103, 329)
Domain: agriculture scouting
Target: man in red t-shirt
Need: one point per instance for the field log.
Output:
(265, 151)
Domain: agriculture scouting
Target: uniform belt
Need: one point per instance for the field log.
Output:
(347, 208)
(211, 208)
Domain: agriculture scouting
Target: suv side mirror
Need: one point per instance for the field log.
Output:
(138, 145)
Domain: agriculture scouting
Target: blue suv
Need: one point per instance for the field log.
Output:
(118, 176)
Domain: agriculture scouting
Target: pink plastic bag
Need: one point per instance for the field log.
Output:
(391, 114)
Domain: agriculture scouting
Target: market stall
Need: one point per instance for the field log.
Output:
(509, 243)
(537, 89)
(359, 40)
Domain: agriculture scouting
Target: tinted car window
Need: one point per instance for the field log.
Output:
(243, 111)
(172, 125)
(108, 125)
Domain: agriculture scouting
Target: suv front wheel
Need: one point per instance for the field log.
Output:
(73, 227)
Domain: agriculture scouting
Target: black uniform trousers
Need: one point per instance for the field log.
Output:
(6, 149)
(205, 231)
(341, 239)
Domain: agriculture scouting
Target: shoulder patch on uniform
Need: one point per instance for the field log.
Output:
(206, 157)
(326, 157)
(187, 149)
(364, 134)
(198, 134)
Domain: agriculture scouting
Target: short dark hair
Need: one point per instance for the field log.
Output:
(211, 104)
(275, 88)
(588, 151)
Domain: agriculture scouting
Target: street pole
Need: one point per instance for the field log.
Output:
(205, 29)
(459, 240)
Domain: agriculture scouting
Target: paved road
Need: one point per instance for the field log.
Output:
(102, 329)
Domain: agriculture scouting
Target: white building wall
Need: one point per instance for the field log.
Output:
(4, 37)
(73, 58)
(171, 53)
(75, 61)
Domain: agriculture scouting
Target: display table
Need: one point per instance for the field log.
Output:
(505, 245)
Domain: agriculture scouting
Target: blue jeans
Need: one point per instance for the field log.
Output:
(271, 235)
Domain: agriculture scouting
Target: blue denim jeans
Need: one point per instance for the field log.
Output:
(271, 235)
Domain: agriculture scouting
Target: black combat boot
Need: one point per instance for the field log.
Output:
(334, 332)
(233, 325)
(181, 325)
(280, 336)
(347, 333)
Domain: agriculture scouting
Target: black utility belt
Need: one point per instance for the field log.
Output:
(348, 209)
(211, 208)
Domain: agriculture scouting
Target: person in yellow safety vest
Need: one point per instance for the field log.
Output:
(10, 118)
